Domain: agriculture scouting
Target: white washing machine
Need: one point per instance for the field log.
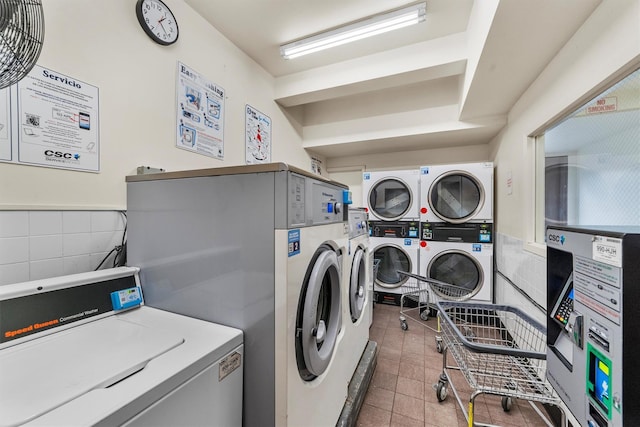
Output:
(260, 248)
(357, 290)
(393, 255)
(456, 193)
(83, 350)
(464, 265)
(392, 195)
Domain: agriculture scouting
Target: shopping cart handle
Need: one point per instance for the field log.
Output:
(427, 279)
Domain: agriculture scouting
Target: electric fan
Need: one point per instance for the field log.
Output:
(21, 37)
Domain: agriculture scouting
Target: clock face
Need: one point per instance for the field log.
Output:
(157, 21)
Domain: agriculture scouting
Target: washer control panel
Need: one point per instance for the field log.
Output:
(314, 202)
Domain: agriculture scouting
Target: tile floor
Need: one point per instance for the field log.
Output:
(401, 393)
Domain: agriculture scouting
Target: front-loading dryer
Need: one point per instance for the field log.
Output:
(466, 266)
(392, 256)
(456, 193)
(392, 195)
(357, 293)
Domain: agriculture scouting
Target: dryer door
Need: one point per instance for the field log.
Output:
(390, 199)
(459, 269)
(319, 317)
(358, 284)
(456, 196)
(391, 259)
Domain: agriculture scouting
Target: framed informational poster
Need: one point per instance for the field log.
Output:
(200, 114)
(58, 121)
(5, 125)
(258, 136)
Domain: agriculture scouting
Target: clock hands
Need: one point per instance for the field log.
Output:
(162, 26)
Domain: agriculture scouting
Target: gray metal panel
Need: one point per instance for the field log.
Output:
(207, 253)
(230, 170)
(281, 208)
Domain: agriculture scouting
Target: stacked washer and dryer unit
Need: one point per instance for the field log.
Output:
(392, 200)
(456, 225)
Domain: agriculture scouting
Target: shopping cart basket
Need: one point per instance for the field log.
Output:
(499, 350)
(418, 304)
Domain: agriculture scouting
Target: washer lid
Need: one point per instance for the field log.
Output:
(41, 375)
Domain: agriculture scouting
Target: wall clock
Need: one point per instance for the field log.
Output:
(158, 21)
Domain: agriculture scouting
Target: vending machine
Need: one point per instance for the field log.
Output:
(593, 322)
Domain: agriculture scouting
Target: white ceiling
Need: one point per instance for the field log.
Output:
(449, 81)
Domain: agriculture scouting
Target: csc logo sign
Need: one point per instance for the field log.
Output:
(557, 238)
(61, 155)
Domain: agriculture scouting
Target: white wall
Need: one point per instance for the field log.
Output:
(606, 47)
(608, 42)
(100, 42)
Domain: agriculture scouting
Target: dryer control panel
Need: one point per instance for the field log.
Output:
(398, 229)
(467, 232)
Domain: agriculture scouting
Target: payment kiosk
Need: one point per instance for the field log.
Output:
(593, 304)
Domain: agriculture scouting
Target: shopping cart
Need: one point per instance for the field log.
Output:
(499, 350)
(418, 304)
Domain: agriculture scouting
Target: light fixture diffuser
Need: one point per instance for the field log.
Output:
(369, 27)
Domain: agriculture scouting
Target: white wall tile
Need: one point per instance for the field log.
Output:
(45, 269)
(76, 222)
(76, 264)
(14, 223)
(14, 273)
(97, 258)
(106, 221)
(45, 222)
(45, 247)
(76, 244)
(105, 241)
(14, 249)
(525, 269)
(41, 244)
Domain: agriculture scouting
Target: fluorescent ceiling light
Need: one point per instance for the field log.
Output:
(369, 27)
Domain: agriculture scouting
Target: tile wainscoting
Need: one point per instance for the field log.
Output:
(520, 271)
(41, 244)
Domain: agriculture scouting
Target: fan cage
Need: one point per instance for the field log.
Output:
(21, 38)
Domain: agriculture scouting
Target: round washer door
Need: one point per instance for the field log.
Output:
(391, 259)
(390, 199)
(457, 268)
(319, 317)
(456, 196)
(358, 284)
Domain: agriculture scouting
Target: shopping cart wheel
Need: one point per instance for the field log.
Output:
(506, 404)
(439, 347)
(441, 391)
(403, 325)
(424, 315)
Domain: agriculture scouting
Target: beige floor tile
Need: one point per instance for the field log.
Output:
(389, 366)
(408, 365)
(384, 380)
(409, 406)
(409, 370)
(370, 416)
(380, 398)
(398, 420)
(409, 387)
